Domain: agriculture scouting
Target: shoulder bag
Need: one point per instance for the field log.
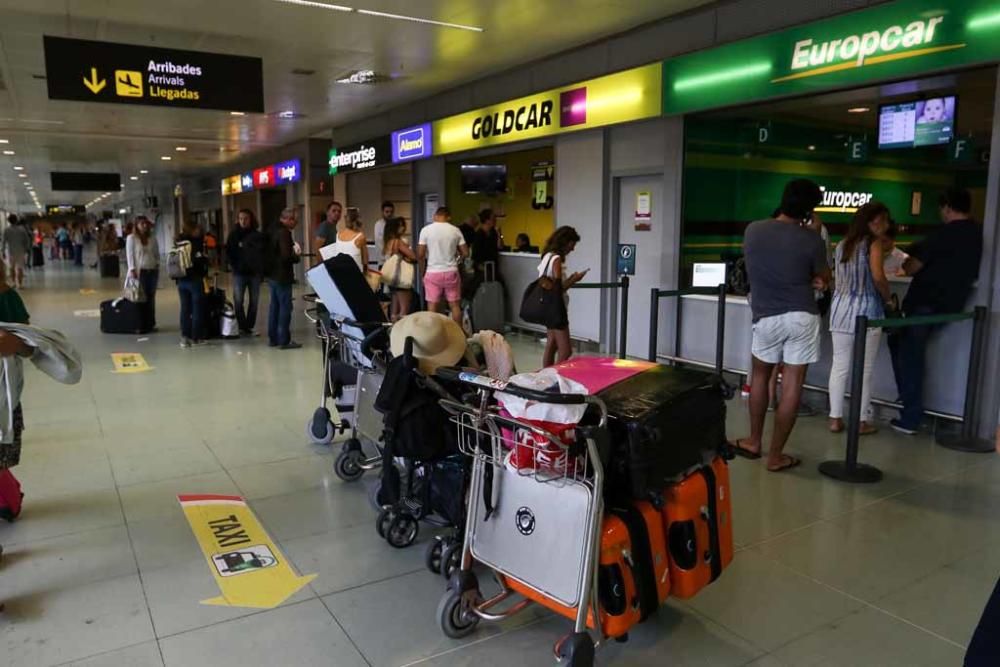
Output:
(398, 273)
(543, 301)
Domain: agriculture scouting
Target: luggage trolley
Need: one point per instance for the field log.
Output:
(537, 527)
(354, 370)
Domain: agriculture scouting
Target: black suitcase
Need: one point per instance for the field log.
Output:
(215, 304)
(123, 316)
(109, 266)
(37, 256)
(663, 423)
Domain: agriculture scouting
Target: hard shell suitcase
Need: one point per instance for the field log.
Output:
(37, 256)
(698, 517)
(663, 422)
(120, 316)
(110, 267)
(215, 306)
(10, 495)
(599, 373)
(488, 304)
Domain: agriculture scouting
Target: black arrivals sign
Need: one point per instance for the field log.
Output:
(87, 71)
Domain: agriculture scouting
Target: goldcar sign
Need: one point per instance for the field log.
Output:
(891, 41)
(617, 98)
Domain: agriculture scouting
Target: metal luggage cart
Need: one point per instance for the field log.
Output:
(356, 406)
(536, 526)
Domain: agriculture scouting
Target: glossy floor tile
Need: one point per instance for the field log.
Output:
(102, 568)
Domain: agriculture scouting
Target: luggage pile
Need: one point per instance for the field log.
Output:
(600, 520)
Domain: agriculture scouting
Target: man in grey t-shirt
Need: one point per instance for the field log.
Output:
(326, 233)
(785, 261)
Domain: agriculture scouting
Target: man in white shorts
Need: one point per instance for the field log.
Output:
(785, 261)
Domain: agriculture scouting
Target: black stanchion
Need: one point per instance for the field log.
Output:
(654, 322)
(966, 440)
(849, 470)
(623, 339)
(720, 330)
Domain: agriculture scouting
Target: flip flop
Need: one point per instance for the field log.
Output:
(788, 462)
(743, 451)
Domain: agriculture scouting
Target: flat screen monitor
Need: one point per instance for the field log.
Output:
(708, 274)
(484, 178)
(929, 122)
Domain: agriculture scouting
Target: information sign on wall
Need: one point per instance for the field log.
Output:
(366, 155)
(413, 143)
(89, 71)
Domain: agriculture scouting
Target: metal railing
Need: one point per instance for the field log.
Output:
(623, 285)
(849, 470)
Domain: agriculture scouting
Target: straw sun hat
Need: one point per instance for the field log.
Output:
(437, 340)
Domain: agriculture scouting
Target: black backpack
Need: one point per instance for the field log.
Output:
(738, 280)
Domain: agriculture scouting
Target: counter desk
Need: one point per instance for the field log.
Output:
(947, 355)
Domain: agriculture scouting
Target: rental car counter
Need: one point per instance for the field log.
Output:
(946, 362)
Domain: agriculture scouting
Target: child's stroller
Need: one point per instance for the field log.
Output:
(351, 324)
(424, 478)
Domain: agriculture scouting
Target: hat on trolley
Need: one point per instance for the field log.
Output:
(437, 340)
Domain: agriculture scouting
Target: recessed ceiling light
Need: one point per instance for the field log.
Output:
(236, 113)
(22, 175)
(166, 157)
(417, 19)
(362, 77)
(287, 114)
(811, 147)
(133, 178)
(18, 168)
(4, 141)
(180, 149)
(8, 152)
(143, 171)
(321, 5)
(858, 110)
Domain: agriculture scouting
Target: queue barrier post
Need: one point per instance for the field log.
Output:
(966, 440)
(720, 326)
(849, 470)
(622, 284)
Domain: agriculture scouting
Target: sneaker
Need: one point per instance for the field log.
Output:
(185, 342)
(899, 427)
(199, 343)
(291, 346)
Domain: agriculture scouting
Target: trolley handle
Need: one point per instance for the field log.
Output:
(366, 344)
(312, 314)
(486, 382)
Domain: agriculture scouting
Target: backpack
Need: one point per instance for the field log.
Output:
(738, 280)
(179, 260)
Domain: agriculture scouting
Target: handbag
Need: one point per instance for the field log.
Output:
(543, 301)
(133, 290)
(398, 273)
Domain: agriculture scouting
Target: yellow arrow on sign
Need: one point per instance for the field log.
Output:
(93, 84)
(248, 567)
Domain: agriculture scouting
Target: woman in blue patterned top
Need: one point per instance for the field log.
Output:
(861, 288)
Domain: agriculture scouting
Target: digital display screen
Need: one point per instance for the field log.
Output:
(929, 122)
(708, 274)
(484, 178)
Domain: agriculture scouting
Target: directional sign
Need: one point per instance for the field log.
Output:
(88, 71)
(248, 566)
(626, 259)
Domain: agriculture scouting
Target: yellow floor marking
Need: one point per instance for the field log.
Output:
(129, 362)
(247, 565)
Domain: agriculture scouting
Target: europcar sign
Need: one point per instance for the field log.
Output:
(892, 41)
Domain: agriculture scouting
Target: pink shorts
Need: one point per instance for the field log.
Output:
(447, 284)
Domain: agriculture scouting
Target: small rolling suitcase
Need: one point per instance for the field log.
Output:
(664, 422)
(10, 495)
(215, 308)
(698, 517)
(121, 316)
(37, 256)
(110, 267)
(488, 309)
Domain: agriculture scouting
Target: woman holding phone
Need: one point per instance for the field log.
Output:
(562, 242)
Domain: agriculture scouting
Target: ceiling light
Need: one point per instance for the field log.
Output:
(286, 114)
(858, 110)
(38, 120)
(236, 113)
(166, 157)
(18, 168)
(4, 141)
(362, 76)
(321, 5)
(416, 19)
(133, 178)
(22, 175)
(811, 147)
(143, 171)
(8, 152)
(180, 149)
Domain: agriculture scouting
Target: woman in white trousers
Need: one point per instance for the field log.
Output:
(860, 288)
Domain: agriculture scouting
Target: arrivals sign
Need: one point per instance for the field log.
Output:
(366, 155)
(270, 176)
(891, 41)
(88, 71)
(617, 98)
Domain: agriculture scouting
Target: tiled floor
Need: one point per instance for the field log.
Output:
(102, 568)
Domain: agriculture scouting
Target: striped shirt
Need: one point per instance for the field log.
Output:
(855, 293)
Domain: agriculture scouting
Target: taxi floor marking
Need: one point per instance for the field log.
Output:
(249, 568)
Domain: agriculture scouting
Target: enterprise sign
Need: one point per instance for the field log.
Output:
(617, 98)
(413, 143)
(366, 155)
(272, 175)
(88, 71)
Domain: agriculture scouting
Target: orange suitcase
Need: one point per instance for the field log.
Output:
(633, 575)
(698, 517)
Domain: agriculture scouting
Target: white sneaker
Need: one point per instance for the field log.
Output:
(185, 342)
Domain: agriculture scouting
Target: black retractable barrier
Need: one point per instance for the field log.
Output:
(966, 440)
(623, 285)
(720, 325)
(849, 470)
